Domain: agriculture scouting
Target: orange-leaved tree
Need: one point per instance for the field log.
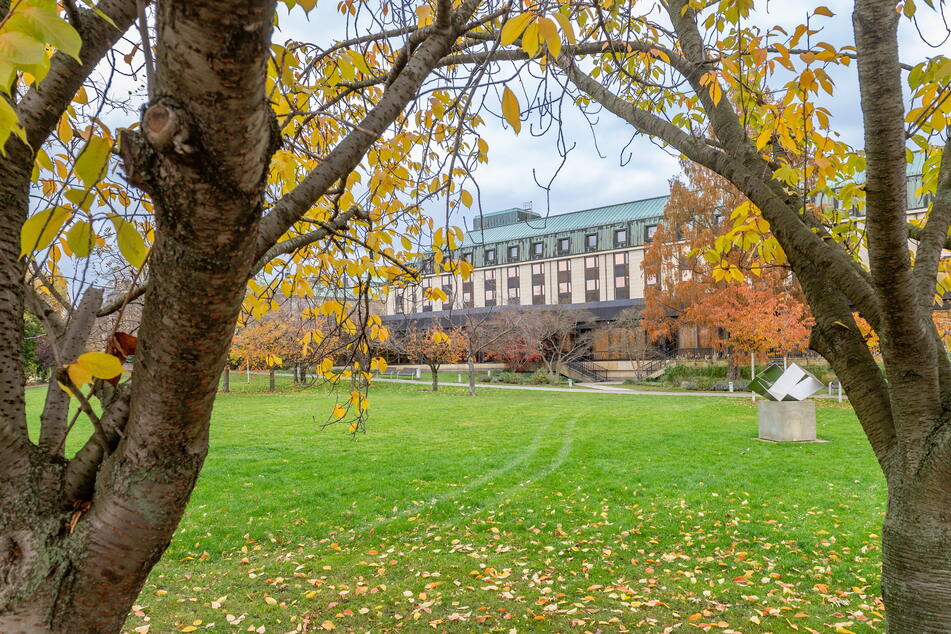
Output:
(743, 303)
(430, 346)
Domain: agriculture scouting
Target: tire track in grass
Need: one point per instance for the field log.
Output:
(560, 457)
(477, 483)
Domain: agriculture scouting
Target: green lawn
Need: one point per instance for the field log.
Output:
(536, 511)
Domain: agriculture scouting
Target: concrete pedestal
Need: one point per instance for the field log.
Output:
(787, 421)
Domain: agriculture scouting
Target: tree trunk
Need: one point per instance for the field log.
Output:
(297, 378)
(75, 561)
(270, 380)
(732, 370)
(916, 566)
(434, 370)
(226, 380)
(472, 378)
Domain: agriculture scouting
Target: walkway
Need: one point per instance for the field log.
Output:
(582, 388)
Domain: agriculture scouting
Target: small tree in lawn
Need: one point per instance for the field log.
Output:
(518, 353)
(756, 319)
(555, 334)
(431, 347)
(480, 334)
(261, 346)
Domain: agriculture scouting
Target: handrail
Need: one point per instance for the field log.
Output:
(590, 369)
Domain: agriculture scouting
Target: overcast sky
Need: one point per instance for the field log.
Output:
(587, 180)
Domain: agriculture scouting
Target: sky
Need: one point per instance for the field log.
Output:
(607, 166)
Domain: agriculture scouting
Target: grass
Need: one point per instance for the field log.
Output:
(519, 509)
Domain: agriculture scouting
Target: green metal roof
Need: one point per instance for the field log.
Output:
(558, 223)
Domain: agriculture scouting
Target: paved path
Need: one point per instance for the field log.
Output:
(583, 388)
(580, 388)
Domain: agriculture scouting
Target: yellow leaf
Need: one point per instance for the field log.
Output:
(530, 39)
(823, 11)
(131, 245)
(327, 625)
(513, 28)
(100, 364)
(78, 374)
(510, 109)
(64, 131)
(79, 239)
(41, 229)
(566, 27)
(93, 160)
(270, 600)
(189, 628)
(466, 198)
(548, 32)
(339, 411)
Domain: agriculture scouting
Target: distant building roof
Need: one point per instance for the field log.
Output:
(557, 223)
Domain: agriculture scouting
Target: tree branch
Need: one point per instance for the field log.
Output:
(933, 239)
(350, 151)
(293, 244)
(69, 346)
(909, 352)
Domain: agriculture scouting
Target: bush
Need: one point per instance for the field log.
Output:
(739, 385)
(538, 377)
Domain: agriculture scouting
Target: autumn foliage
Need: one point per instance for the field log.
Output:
(747, 306)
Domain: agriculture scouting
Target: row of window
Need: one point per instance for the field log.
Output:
(562, 246)
(511, 294)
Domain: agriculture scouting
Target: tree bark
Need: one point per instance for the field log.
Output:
(916, 559)
(472, 376)
(226, 380)
(203, 157)
(434, 372)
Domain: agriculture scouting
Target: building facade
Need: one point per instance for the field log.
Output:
(584, 260)
(587, 259)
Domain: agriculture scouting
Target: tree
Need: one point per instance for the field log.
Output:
(557, 334)
(628, 338)
(478, 334)
(741, 101)
(250, 157)
(755, 319)
(431, 347)
(263, 345)
(695, 287)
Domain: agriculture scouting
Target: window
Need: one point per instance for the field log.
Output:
(467, 292)
(564, 246)
(650, 280)
(513, 253)
(649, 232)
(592, 290)
(427, 303)
(538, 249)
(564, 281)
(447, 289)
(512, 295)
(538, 284)
(490, 256)
(591, 241)
(489, 279)
(622, 288)
(466, 257)
(620, 237)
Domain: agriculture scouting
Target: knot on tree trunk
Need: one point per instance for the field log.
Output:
(167, 129)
